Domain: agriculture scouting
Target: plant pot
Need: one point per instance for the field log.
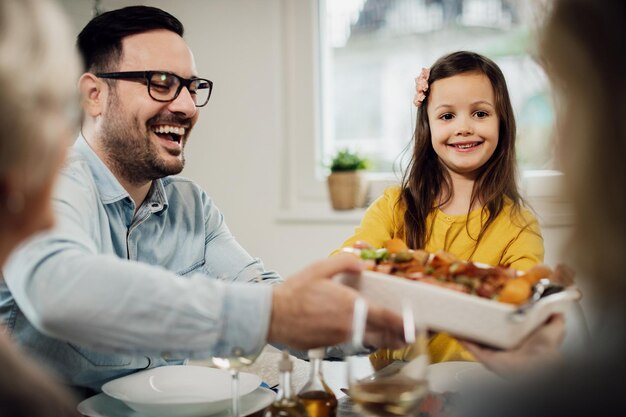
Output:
(347, 189)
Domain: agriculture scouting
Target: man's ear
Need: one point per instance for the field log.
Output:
(92, 94)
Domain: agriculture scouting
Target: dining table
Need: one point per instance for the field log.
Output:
(335, 375)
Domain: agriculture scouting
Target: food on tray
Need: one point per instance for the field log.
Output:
(515, 291)
(500, 283)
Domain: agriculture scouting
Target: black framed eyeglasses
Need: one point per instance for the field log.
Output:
(165, 86)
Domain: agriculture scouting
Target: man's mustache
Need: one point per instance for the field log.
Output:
(170, 119)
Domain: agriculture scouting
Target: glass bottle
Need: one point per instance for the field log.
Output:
(286, 403)
(318, 399)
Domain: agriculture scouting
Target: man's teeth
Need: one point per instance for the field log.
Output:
(170, 129)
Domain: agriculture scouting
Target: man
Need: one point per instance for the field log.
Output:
(141, 270)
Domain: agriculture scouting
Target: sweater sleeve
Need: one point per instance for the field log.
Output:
(526, 249)
(378, 223)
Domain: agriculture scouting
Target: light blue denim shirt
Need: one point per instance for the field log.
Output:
(150, 287)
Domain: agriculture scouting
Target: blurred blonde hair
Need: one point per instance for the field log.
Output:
(582, 49)
(38, 73)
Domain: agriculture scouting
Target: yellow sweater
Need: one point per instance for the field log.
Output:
(506, 241)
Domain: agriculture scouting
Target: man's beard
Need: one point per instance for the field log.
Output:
(129, 150)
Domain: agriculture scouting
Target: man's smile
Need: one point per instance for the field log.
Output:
(170, 132)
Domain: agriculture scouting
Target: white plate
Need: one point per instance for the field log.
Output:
(452, 376)
(179, 391)
(102, 405)
(462, 315)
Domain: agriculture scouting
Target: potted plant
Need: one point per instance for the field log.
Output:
(346, 183)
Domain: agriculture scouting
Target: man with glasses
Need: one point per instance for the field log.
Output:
(141, 270)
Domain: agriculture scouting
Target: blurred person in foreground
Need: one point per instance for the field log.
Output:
(38, 69)
(582, 50)
(141, 269)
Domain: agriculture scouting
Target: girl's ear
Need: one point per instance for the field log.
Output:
(92, 94)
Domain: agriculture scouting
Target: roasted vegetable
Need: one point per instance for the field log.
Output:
(446, 270)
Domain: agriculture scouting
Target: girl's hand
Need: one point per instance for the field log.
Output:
(540, 348)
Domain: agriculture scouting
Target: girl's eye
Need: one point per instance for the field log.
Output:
(446, 116)
(481, 114)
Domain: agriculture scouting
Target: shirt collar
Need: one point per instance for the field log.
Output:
(156, 200)
(109, 187)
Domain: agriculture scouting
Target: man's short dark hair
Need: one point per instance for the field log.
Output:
(100, 41)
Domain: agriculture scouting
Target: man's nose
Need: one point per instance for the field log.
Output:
(184, 104)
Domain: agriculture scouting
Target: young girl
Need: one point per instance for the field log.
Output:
(459, 193)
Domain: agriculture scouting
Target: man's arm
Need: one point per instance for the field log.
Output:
(113, 304)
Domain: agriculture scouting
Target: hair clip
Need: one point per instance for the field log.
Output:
(421, 86)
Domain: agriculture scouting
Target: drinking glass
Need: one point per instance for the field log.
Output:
(391, 394)
(234, 362)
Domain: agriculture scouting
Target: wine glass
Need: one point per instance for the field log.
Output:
(391, 394)
(234, 362)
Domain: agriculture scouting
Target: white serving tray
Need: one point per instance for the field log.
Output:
(462, 315)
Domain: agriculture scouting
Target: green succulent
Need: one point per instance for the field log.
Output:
(346, 160)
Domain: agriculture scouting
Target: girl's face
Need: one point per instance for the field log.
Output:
(463, 122)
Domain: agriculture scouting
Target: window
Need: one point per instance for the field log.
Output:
(382, 118)
(371, 51)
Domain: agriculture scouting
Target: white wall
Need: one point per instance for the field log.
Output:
(236, 149)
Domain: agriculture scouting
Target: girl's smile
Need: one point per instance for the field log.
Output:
(465, 146)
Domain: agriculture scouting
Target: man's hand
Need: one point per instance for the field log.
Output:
(311, 310)
(540, 348)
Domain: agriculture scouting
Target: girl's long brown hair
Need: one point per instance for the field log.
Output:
(427, 185)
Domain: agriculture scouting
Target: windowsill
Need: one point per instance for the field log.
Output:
(549, 213)
(320, 214)
(552, 212)
(540, 188)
